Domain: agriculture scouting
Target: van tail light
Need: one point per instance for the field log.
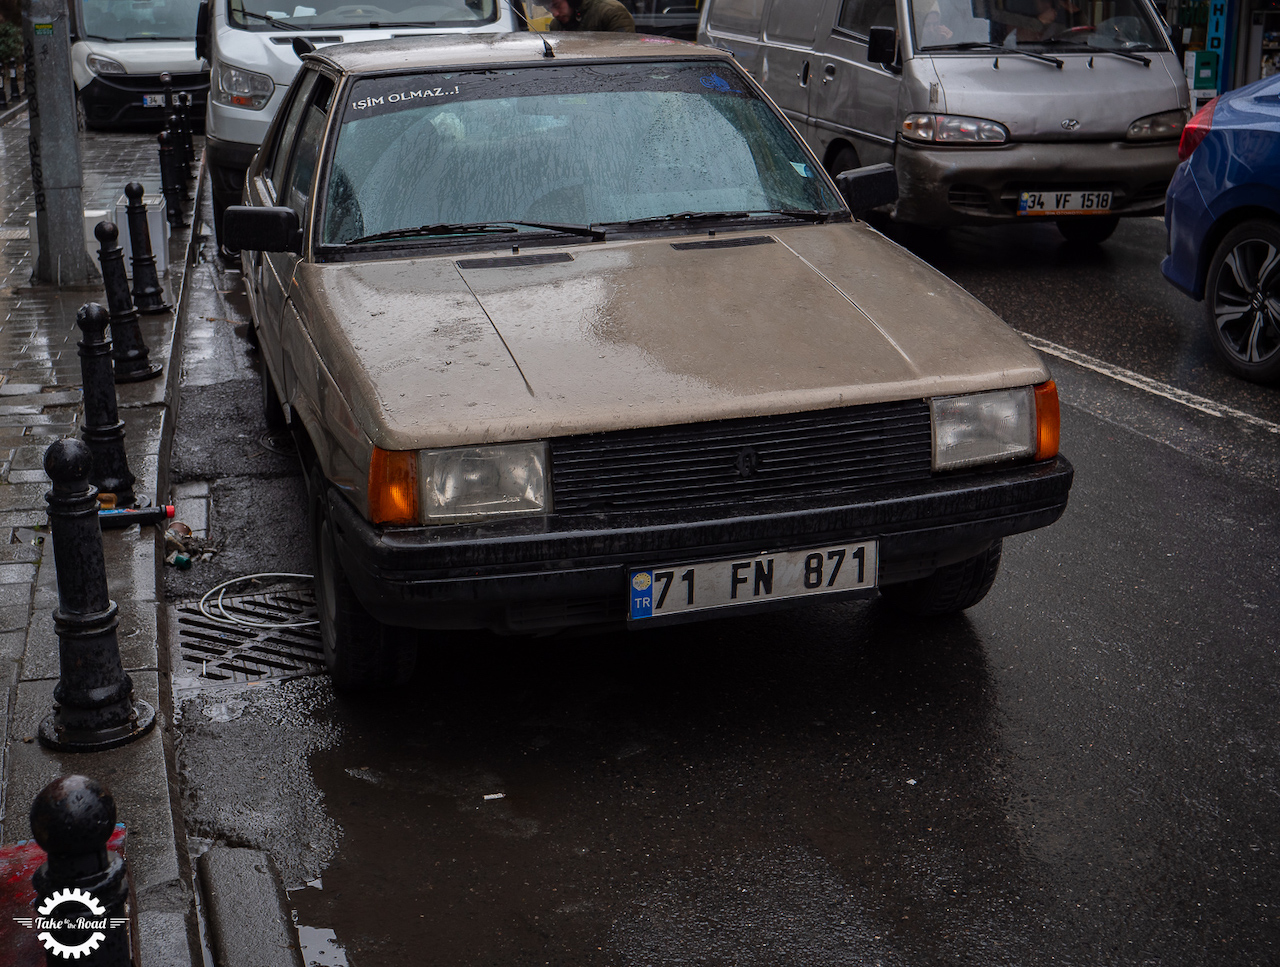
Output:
(393, 486)
(1196, 130)
(1048, 421)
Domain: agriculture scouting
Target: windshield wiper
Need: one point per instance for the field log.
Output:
(271, 20)
(477, 228)
(800, 213)
(998, 48)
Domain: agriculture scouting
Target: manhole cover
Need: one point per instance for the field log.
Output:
(222, 652)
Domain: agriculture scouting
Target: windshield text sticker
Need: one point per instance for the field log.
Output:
(366, 103)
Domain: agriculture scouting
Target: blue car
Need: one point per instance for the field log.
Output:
(1222, 213)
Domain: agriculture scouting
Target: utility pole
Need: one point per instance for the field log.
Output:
(55, 146)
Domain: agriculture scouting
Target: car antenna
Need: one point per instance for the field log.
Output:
(547, 49)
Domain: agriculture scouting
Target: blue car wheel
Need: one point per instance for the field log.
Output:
(1242, 296)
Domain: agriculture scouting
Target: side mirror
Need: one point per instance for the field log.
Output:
(863, 188)
(882, 45)
(261, 229)
(202, 30)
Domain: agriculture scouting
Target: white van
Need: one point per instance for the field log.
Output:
(120, 49)
(989, 110)
(251, 52)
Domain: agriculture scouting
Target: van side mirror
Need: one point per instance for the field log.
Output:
(864, 188)
(882, 45)
(251, 229)
(202, 30)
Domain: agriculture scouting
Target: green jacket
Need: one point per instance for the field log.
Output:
(607, 15)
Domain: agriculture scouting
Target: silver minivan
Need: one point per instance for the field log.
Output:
(990, 110)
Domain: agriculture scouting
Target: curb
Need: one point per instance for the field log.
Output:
(13, 111)
(246, 911)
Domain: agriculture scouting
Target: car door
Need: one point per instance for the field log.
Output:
(788, 60)
(296, 188)
(852, 98)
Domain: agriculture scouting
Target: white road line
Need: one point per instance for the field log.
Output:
(1148, 385)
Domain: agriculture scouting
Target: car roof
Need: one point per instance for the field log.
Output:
(465, 50)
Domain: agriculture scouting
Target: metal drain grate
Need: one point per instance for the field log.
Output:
(218, 652)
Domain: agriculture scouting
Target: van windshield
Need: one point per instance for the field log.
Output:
(1057, 24)
(337, 14)
(574, 144)
(113, 20)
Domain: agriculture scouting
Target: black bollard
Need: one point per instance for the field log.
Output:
(169, 176)
(127, 346)
(4, 102)
(72, 819)
(148, 297)
(13, 79)
(94, 707)
(103, 430)
(184, 130)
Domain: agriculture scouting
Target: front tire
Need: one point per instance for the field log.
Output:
(1242, 301)
(1088, 229)
(361, 653)
(951, 588)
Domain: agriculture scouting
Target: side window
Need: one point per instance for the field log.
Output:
(274, 169)
(738, 16)
(859, 16)
(302, 165)
(795, 21)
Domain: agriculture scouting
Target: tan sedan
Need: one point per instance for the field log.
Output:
(576, 331)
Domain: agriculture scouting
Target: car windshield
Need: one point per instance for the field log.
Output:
(572, 144)
(120, 20)
(1039, 24)
(278, 15)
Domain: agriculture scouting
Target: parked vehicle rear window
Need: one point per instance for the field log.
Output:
(582, 144)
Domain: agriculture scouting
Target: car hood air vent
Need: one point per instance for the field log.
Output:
(315, 39)
(507, 261)
(724, 242)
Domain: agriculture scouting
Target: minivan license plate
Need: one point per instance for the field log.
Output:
(153, 100)
(660, 591)
(1064, 203)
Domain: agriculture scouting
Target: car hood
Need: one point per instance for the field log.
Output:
(469, 349)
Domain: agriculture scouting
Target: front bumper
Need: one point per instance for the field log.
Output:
(548, 574)
(115, 100)
(956, 185)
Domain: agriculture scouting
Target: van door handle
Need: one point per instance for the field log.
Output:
(829, 73)
(804, 75)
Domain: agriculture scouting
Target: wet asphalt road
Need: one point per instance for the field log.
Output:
(1080, 770)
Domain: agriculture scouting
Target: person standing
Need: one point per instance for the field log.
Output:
(603, 15)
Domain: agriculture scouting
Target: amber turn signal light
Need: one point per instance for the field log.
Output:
(393, 486)
(1047, 420)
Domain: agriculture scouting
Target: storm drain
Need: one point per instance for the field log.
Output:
(219, 652)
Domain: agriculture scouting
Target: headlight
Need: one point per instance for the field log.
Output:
(953, 129)
(241, 88)
(104, 65)
(989, 427)
(491, 481)
(1166, 125)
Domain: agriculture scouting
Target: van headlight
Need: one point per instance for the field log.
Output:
(989, 427)
(466, 482)
(237, 87)
(953, 129)
(104, 65)
(1168, 124)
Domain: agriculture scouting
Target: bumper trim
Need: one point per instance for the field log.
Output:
(498, 577)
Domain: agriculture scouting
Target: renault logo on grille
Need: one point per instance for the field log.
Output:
(1070, 124)
(748, 461)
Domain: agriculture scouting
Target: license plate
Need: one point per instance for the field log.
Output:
(661, 591)
(153, 100)
(1064, 203)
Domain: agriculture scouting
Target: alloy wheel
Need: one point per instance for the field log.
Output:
(1246, 304)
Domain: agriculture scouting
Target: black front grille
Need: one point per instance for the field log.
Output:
(971, 198)
(728, 462)
(151, 82)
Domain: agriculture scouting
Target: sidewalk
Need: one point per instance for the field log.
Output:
(40, 401)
